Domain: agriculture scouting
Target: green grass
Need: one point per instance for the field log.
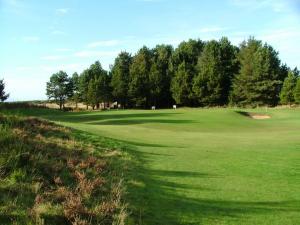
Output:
(204, 166)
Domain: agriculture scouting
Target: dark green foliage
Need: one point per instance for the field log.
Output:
(297, 91)
(92, 93)
(230, 66)
(3, 95)
(59, 88)
(184, 63)
(120, 78)
(94, 85)
(216, 67)
(84, 80)
(139, 89)
(288, 88)
(181, 86)
(208, 83)
(76, 88)
(196, 73)
(258, 81)
(160, 76)
(284, 70)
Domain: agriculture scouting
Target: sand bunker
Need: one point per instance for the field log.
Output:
(259, 116)
(256, 116)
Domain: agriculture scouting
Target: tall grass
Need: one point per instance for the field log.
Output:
(49, 176)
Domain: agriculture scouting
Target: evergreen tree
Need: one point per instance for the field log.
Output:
(209, 83)
(92, 96)
(160, 76)
(288, 88)
(297, 91)
(76, 88)
(84, 80)
(258, 81)
(216, 68)
(181, 85)
(3, 95)
(139, 78)
(59, 88)
(184, 61)
(120, 78)
(230, 67)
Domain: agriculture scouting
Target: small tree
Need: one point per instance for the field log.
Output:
(92, 93)
(3, 95)
(287, 91)
(297, 91)
(76, 89)
(59, 88)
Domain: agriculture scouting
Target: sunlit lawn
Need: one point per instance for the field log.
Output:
(204, 166)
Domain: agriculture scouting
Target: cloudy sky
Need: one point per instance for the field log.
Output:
(38, 39)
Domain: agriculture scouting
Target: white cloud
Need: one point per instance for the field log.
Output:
(31, 38)
(85, 54)
(107, 43)
(62, 10)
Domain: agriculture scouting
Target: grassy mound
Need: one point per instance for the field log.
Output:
(48, 176)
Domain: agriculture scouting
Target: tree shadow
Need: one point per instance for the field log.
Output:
(139, 121)
(243, 113)
(84, 117)
(156, 197)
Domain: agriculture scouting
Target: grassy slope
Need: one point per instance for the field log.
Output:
(53, 175)
(205, 166)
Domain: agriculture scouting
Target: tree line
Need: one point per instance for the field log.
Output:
(196, 73)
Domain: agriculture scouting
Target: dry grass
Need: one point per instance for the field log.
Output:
(66, 181)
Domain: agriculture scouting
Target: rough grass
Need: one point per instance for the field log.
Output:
(203, 166)
(50, 174)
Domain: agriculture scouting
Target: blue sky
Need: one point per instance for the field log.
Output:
(38, 39)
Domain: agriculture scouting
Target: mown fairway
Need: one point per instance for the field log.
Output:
(205, 166)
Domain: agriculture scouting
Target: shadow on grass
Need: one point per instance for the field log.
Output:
(154, 199)
(84, 117)
(104, 118)
(141, 121)
(153, 196)
(243, 113)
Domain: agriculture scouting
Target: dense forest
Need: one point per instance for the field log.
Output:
(197, 73)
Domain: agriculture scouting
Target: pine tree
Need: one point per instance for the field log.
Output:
(208, 84)
(139, 78)
(92, 97)
(258, 81)
(181, 85)
(160, 76)
(184, 62)
(3, 95)
(288, 88)
(297, 91)
(59, 88)
(120, 78)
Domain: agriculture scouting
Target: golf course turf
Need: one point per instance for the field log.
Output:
(203, 166)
